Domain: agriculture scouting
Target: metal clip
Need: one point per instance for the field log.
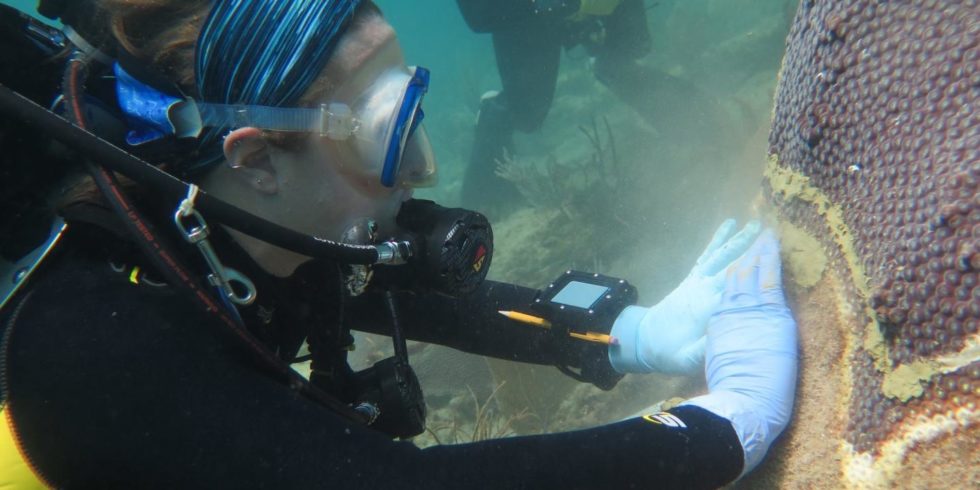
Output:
(221, 277)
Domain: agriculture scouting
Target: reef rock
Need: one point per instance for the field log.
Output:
(875, 155)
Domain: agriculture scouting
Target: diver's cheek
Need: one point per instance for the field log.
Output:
(347, 166)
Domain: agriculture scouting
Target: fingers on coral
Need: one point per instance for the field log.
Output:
(723, 233)
(731, 249)
(770, 264)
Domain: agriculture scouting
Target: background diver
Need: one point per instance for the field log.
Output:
(149, 350)
(528, 39)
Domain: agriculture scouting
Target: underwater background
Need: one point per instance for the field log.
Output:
(640, 205)
(675, 180)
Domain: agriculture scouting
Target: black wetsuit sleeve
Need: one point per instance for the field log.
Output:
(115, 385)
(498, 15)
(472, 323)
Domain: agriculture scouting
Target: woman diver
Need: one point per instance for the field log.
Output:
(150, 350)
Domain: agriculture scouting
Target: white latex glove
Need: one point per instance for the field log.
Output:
(752, 352)
(669, 337)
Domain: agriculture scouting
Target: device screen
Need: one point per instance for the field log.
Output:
(580, 294)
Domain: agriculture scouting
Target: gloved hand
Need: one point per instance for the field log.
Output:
(598, 7)
(752, 352)
(669, 337)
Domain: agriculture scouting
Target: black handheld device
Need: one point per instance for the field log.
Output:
(583, 302)
(582, 307)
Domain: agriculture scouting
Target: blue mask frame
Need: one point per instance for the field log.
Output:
(410, 115)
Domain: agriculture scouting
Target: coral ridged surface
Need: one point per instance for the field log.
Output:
(875, 152)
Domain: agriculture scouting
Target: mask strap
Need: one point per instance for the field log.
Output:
(335, 121)
(155, 114)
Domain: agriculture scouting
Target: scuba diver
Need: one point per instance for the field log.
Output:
(262, 209)
(528, 38)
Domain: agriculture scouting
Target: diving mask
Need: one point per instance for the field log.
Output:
(383, 122)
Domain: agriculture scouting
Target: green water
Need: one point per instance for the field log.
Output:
(26, 6)
(675, 185)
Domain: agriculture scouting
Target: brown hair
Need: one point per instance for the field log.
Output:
(161, 33)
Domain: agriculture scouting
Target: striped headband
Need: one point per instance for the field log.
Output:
(266, 52)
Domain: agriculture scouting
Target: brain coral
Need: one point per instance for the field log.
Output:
(875, 153)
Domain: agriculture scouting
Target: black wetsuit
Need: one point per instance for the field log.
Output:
(111, 383)
(528, 48)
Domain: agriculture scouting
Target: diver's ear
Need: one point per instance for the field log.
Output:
(247, 153)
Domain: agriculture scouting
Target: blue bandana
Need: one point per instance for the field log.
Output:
(267, 52)
(251, 52)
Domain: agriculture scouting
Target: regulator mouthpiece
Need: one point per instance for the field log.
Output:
(447, 249)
